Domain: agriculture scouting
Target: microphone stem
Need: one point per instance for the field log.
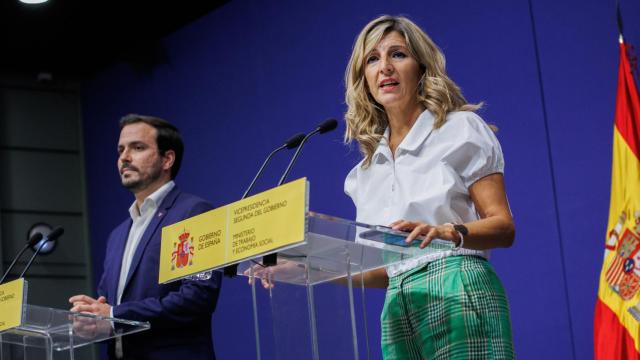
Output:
(295, 156)
(33, 257)
(13, 263)
(272, 259)
(266, 161)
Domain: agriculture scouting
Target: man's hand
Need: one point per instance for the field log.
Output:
(91, 327)
(87, 304)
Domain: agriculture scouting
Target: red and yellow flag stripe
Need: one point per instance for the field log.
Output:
(617, 313)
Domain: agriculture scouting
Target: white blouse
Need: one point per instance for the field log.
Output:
(429, 179)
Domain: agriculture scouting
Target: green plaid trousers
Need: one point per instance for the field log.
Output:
(452, 308)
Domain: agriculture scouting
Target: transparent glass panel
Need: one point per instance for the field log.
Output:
(333, 245)
(45, 331)
(311, 308)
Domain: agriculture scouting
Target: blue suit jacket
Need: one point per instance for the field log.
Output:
(179, 312)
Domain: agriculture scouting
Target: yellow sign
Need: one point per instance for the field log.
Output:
(257, 225)
(11, 300)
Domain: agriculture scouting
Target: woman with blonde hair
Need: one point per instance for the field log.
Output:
(433, 168)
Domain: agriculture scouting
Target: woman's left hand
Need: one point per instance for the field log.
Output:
(430, 232)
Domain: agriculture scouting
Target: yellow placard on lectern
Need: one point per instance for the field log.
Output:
(11, 304)
(259, 224)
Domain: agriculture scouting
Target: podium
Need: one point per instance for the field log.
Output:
(47, 334)
(315, 306)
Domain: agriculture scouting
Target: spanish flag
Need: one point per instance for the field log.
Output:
(617, 312)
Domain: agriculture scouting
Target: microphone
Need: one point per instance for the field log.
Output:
(323, 127)
(35, 238)
(53, 235)
(292, 143)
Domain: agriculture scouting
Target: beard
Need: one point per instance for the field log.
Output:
(142, 180)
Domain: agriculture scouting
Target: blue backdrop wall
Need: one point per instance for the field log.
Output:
(248, 75)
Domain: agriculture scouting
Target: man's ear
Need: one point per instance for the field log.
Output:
(168, 159)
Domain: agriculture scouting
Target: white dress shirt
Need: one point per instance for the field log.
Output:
(141, 219)
(429, 179)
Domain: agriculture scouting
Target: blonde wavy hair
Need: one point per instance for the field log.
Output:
(366, 119)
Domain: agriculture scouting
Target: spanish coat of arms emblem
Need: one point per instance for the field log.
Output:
(183, 251)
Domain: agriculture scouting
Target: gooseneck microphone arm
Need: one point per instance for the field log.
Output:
(53, 235)
(35, 238)
(293, 142)
(295, 156)
(324, 127)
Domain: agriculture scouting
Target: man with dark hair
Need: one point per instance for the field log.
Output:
(167, 137)
(150, 152)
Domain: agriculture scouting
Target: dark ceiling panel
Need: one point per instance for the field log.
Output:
(78, 37)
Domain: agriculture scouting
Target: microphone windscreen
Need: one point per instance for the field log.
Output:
(35, 238)
(327, 125)
(55, 233)
(294, 141)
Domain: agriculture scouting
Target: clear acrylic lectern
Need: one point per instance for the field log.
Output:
(48, 333)
(316, 307)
